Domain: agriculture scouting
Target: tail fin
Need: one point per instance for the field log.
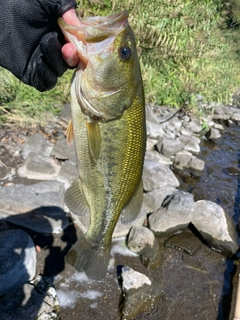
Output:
(85, 256)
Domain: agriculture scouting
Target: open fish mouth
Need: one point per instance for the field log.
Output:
(94, 34)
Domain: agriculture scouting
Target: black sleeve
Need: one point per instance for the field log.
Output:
(31, 41)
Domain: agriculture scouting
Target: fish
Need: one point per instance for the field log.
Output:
(108, 128)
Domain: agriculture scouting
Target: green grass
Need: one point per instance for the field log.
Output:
(185, 48)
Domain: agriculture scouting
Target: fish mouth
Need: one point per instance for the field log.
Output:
(94, 34)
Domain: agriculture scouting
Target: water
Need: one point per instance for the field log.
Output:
(220, 183)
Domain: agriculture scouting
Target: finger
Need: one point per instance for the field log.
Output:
(70, 17)
(70, 55)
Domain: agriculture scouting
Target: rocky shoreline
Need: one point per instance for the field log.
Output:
(31, 198)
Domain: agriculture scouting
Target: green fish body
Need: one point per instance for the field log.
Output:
(108, 119)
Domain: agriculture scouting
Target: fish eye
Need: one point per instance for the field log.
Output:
(125, 52)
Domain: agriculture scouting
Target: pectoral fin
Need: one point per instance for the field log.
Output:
(132, 209)
(94, 138)
(75, 200)
(69, 133)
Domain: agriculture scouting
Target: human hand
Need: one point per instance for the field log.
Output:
(69, 51)
(31, 40)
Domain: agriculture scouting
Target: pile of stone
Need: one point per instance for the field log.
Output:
(173, 143)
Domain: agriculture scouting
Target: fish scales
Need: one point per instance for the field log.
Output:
(108, 125)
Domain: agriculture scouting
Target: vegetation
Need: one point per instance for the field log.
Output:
(185, 47)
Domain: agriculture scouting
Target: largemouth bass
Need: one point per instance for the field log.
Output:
(109, 132)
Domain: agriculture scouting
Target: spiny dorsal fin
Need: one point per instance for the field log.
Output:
(94, 138)
(75, 200)
(132, 209)
(69, 133)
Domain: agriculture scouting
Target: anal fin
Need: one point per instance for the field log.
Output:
(75, 200)
(132, 209)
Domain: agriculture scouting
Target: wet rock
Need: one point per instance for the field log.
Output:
(36, 144)
(37, 207)
(18, 260)
(142, 241)
(68, 173)
(157, 175)
(216, 227)
(171, 146)
(62, 151)
(39, 167)
(174, 215)
(184, 241)
(213, 134)
(139, 293)
(35, 300)
(190, 143)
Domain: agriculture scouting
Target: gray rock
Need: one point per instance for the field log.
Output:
(213, 134)
(185, 132)
(37, 300)
(189, 164)
(216, 227)
(68, 173)
(38, 206)
(194, 125)
(139, 293)
(65, 113)
(218, 126)
(40, 167)
(174, 215)
(18, 259)
(190, 143)
(171, 146)
(156, 175)
(62, 151)
(153, 128)
(142, 241)
(153, 200)
(36, 144)
(151, 144)
(157, 157)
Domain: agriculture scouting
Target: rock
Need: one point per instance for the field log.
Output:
(142, 241)
(66, 112)
(184, 241)
(68, 173)
(153, 200)
(188, 164)
(38, 206)
(215, 226)
(36, 144)
(153, 128)
(157, 157)
(194, 125)
(190, 143)
(18, 260)
(37, 300)
(39, 167)
(43, 220)
(213, 134)
(157, 175)
(151, 144)
(62, 151)
(139, 293)
(171, 146)
(174, 215)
